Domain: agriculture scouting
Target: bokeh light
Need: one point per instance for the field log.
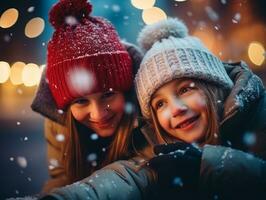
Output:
(143, 4)
(31, 75)
(153, 15)
(256, 53)
(34, 27)
(4, 71)
(16, 73)
(9, 18)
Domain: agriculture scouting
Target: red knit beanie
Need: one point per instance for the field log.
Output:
(85, 54)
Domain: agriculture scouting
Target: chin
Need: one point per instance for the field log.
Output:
(106, 133)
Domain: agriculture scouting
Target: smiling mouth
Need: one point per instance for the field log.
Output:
(187, 122)
(106, 123)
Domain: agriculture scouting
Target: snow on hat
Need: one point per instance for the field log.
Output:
(85, 54)
(171, 53)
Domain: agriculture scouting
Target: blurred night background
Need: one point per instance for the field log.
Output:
(232, 29)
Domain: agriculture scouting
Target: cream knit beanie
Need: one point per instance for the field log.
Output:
(171, 53)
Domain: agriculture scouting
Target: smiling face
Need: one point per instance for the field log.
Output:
(100, 112)
(181, 110)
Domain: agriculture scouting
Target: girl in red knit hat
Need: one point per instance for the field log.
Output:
(87, 88)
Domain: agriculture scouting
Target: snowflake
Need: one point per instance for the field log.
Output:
(94, 136)
(129, 108)
(249, 139)
(22, 162)
(71, 20)
(116, 8)
(31, 9)
(211, 13)
(223, 1)
(80, 80)
(92, 157)
(60, 111)
(60, 137)
(177, 181)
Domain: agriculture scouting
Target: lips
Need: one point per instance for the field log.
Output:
(185, 123)
(105, 123)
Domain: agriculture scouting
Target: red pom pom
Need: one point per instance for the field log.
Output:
(75, 9)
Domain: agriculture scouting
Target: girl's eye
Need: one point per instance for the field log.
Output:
(108, 94)
(184, 90)
(81, 101)
(159, 104)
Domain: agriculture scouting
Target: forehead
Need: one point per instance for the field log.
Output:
(98, 95)
(176, 83)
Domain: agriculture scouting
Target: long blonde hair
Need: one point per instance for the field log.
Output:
(75, 151)
(214, 97)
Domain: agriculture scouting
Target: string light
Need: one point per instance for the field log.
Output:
(34, 27)
(16, 73)
(4, 71)
(31, 75)
(256, 53)
(143, 4)
(153, 15)
(9, 18)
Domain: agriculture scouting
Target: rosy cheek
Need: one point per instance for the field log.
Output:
(197, 101)
(201, 102)
(166, 114)
(79, 116)
(164, 118)
(118, 105)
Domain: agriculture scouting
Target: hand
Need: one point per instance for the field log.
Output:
(177, 164)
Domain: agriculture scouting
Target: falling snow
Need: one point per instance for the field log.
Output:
(189, 13)
(53, 163)
(80, 80)
(236, 18)
(71, 21)
(223, 1)
(94, 136)
(60, 111)
(249, 139)
(192, 84)
(178, 182)
(229, 143)
(22, 162)
(60, 137)
(116, 8)
(19, 91)
(31, 9)
(167, 114)
(7, 38)
(211, 14)
(129, 108)
(92, 157)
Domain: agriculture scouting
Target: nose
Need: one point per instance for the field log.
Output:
(178, 108)
(97, 112)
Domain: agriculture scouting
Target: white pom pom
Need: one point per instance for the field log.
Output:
(160, 30)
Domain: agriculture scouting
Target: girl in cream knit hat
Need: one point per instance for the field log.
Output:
(191, 98)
